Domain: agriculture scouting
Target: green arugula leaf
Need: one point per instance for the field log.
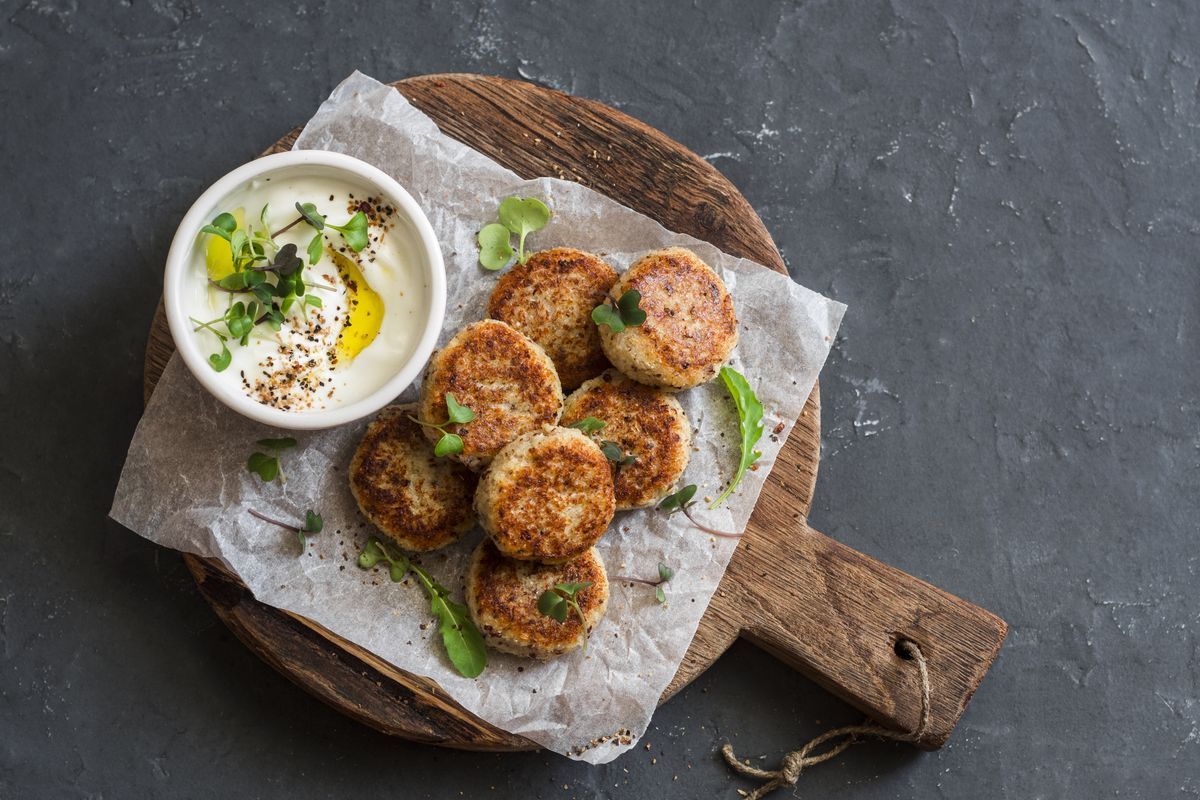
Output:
(313, 300)
(750, 425)
(659, 594)
(665, 573)
(462, 640)
(463, 643)
(589, 425)
(495, 249)
(459, 414)
(215, 231)
(523, 217)
(263, 216)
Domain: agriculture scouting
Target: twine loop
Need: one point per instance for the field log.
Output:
(795, 762)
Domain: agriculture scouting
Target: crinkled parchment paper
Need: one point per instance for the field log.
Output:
(185, 483)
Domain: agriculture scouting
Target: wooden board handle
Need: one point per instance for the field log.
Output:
(836, 615)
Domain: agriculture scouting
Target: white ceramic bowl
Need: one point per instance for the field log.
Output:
(186, 247)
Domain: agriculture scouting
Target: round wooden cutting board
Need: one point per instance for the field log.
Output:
(824, 626)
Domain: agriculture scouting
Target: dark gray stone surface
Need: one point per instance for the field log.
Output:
(1006, 196)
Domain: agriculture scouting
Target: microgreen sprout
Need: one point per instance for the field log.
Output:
(462, 640)
(312, 524)
(682, 501)
(589, 425)
(518, 216)
(563, 598)
(266, 465)
(451, 443)
(626, 313)
(223, 225)
(616, 454)
(354, 231)
(523, 216)
(665, 574)
(376, 551)
(269, 273)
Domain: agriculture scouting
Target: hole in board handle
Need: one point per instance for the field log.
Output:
(900, 647)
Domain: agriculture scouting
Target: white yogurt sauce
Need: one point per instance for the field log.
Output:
(301, 367)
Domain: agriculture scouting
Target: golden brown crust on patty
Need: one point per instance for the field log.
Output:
(690, 326)
(501, 375)
(420, 501)
(644, 421)
(550, 299)
(502, 595)
(547, 496)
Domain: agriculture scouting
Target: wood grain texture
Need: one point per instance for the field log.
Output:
(839, 613)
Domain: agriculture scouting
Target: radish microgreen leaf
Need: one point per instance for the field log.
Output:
(614, 453)
(589, 425)
(523, 216)
(312, 524)
(495, 249)
(457, 414)
(626, 313)
(682, 501)
(518, 216)
(266, 465)
(555, 603)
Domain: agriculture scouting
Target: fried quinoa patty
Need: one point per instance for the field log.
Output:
(690, 328)
(418, 500)
(502, 596)
(647, 423)
(500, 374)
(550, 299)
(547, 496)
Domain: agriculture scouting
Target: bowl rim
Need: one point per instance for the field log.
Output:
(178, 262)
